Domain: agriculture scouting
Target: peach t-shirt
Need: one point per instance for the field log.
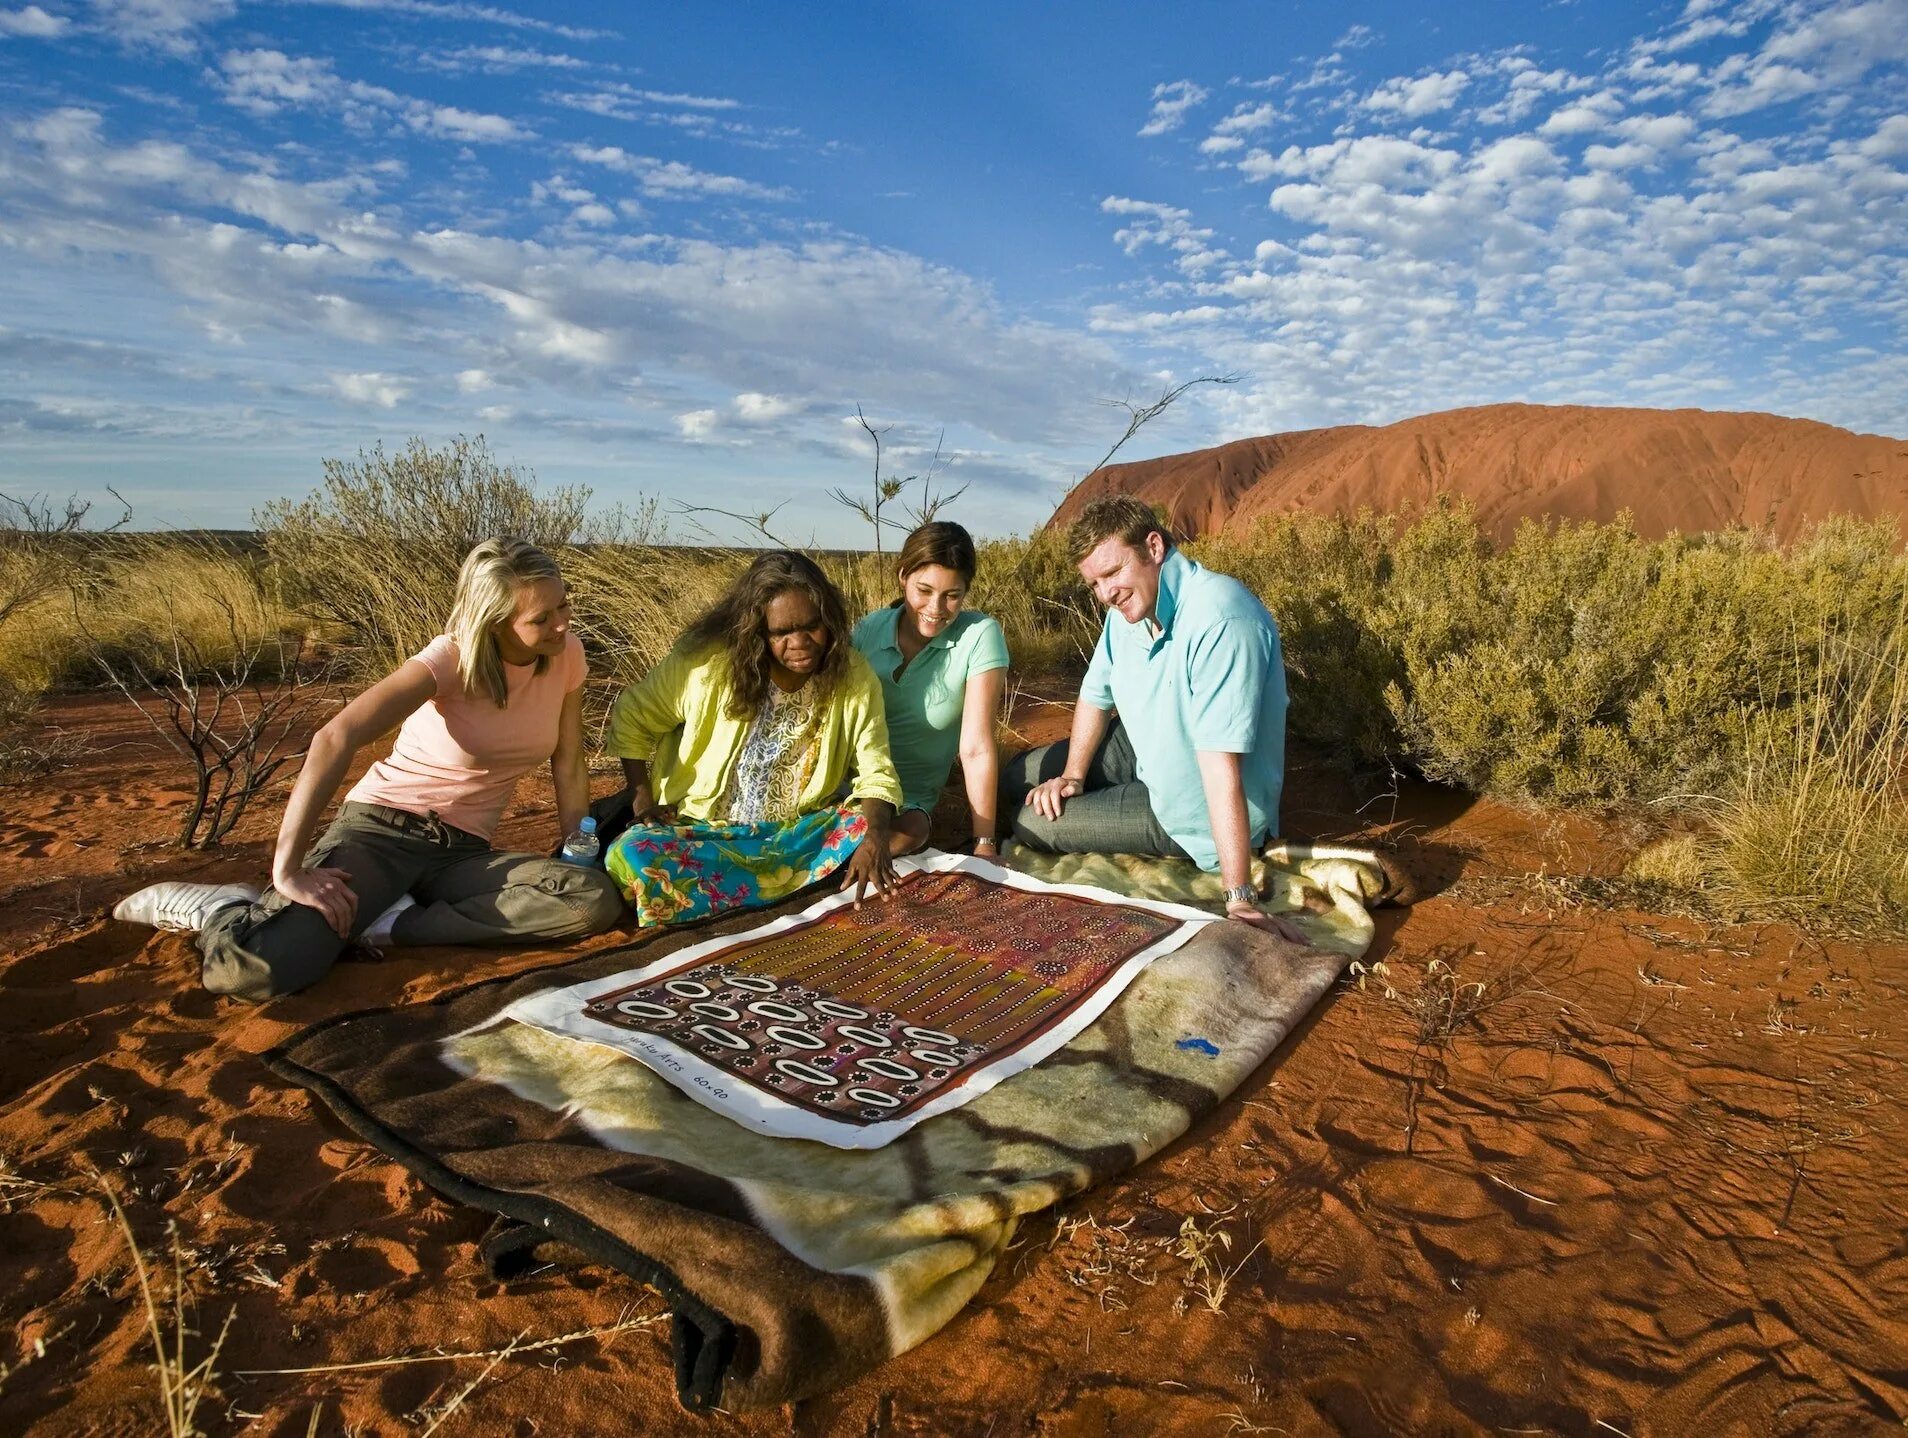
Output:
(459, 755)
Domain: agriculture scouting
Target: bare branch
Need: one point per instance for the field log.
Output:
(1138, 416)
(757, 522)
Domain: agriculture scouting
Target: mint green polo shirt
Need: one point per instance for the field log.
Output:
(925, 703)
(1211, 677)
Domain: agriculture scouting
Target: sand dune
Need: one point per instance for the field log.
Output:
(1649, 1182)
(1682, 470)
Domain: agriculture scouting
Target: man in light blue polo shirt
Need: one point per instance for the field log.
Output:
(1189, 661)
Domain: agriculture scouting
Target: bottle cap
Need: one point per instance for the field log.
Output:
(588, 826)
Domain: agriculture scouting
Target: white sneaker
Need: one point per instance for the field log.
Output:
(179, 906)
(378, 936)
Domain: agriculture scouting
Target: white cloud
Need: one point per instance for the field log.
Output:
(697, 425)
(690, 102)
(633, 331)
(453, 123)
(171, 25)
(381, 391)
(495, 59)
(1165, 226)
(1668, 260)
(460, 10)
(266, 81)
(1171, 101)
(1585, 116)
(753, 408)
(33, 23)
(1425, 95)
(474, 381)
(672, 179)
(1813, 48)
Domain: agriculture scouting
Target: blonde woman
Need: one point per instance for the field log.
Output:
(408, 858)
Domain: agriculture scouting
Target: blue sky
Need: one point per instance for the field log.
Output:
(667, 250)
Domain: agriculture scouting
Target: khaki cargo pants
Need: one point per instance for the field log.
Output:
(466, 892)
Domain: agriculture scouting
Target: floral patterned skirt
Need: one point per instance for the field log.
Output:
(672, 873)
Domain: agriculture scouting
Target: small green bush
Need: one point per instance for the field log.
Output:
(374, 552)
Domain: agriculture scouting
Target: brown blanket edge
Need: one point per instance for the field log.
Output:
(703, 1340)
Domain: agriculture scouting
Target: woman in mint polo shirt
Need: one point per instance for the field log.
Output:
(942, 668)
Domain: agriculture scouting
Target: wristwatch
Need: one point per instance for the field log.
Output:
(1240, 894)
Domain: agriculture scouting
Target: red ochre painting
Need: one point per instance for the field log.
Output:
(848, 1025)
(867, 1014)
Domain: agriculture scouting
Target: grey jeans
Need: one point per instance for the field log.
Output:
(1113, 816)
(466, 892)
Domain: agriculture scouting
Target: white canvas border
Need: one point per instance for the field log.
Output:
(559, 1011)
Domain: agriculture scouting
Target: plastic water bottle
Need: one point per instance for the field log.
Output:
(583, 847)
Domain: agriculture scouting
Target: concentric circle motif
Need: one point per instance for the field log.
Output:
(786, 1013)
(794, 1038)
(638, 1009)
(928, 1036)
(807, 1073)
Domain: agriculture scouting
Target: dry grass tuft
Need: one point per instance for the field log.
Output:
(1208, 1276)
(183, 1386)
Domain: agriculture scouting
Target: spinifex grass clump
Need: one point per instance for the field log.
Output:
(1819, 818)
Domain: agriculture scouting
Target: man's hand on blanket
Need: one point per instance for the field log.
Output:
(1271, 923)
(870, 865)
(328, 891)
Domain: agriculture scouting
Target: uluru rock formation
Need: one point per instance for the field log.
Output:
(1684, 470)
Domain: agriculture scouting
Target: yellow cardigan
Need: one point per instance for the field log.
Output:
(677, 717)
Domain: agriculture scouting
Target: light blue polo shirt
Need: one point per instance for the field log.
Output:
(925, 703)
(1211, 678)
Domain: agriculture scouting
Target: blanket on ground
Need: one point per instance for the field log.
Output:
(792, 1266)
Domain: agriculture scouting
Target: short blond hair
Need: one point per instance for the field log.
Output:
(1117, 516)
(487, 587)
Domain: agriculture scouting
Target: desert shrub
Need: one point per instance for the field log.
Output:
(1325, 579)
(374, 552)
(1578, 664)
(1034, 591)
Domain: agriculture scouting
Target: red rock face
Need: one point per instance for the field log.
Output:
(1681, 470)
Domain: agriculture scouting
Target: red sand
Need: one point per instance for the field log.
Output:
(1655, 1187)
(1683, 470)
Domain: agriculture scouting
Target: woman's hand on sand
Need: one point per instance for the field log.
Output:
(1049, 798)
(328, 891)
(870, 866)
(1271, 923)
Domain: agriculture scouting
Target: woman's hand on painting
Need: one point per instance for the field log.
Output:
(870, 866)
(328, 891)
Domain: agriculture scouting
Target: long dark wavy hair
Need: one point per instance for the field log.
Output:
(738, 622)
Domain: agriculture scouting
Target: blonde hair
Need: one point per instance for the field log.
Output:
(487, 587)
